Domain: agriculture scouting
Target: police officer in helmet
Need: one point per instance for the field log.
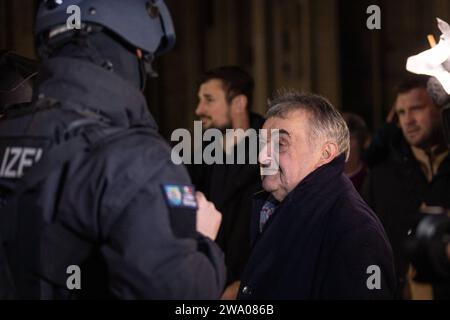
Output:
(91, 204)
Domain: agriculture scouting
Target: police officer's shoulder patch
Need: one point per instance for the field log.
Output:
(179, 196)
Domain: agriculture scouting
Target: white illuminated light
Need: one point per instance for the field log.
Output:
(435, 62)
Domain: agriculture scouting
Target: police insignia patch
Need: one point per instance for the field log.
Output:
(189, 197)
(180, 196)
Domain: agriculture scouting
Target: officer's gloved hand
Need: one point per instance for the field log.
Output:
(208, 218)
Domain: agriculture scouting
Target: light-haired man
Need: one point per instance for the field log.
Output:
(313, 236)
(415, 173)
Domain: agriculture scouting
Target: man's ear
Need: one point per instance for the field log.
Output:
(328, 152)
(239, 103)
(239, 112)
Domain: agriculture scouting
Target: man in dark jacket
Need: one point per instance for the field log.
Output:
(225, 99)
(313, 236)
(414, 173)
(105, 212)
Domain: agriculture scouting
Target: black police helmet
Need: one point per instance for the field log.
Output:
(143, 24)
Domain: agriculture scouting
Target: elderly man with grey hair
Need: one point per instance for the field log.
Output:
(313, 237)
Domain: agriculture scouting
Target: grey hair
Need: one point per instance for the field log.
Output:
(325, 121)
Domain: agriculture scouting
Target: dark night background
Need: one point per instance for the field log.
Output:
(321, 46)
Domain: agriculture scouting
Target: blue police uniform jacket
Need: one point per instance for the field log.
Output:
(112, 198)
(322, 242)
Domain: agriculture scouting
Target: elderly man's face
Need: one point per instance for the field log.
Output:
(297, 157)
